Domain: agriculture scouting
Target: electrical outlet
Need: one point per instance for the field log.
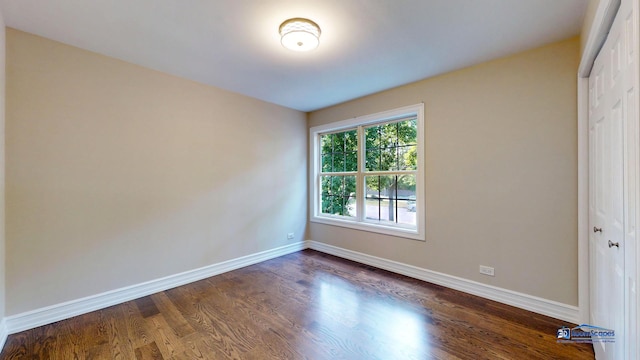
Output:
(290, 236)
(487, 270)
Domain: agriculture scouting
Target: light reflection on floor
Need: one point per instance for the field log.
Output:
(400, 331)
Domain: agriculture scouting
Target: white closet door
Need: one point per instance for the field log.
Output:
(630, 78)
(612, 177)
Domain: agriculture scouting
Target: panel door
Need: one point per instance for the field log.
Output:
(612, 143)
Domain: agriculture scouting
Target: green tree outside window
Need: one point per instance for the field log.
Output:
(389, 147)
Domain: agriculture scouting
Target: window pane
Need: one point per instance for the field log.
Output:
(337, 185)
(326, 163)
(372, 139)
(351, 161)
(338, 162)
(339, 151)
(338, 142)
(408, 158)
(372, 159)
(391, 199)
(388, 159)
(408, 132)
(388, 135)
(406, 200)
(326, 144)
(377, 204)
(351, 141)
(325, 185)
(338, 195)
(391, 146)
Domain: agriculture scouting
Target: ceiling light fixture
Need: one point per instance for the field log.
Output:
(299, 34)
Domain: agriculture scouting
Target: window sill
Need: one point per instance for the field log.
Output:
(365, 226)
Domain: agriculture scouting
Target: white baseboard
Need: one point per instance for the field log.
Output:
(528, 302)
(3, 333)
(47, 315)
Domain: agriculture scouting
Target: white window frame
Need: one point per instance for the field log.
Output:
(359, 222)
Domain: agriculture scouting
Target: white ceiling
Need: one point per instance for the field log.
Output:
(366, 45)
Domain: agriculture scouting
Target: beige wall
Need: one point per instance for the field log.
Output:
(501, 164)
(117, 174)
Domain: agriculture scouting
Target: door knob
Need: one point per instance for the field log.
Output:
(612, 244)
(595, 229)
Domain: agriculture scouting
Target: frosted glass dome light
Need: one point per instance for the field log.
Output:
(299, 34)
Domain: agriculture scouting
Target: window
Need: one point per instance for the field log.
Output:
(367, 173)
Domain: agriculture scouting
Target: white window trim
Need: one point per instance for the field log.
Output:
(314, 185)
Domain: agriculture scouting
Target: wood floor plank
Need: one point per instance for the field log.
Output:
(72, 341)
(44, 341)
(20, 348)
(136, 326)
(306, 305)
(200, 347)
(100, 352)
(177, 323)
(165, 338)
(146, 306)
(149, 352)
(120, 340)
(192, 349)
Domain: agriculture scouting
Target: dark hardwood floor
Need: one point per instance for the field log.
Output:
(306, 305)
